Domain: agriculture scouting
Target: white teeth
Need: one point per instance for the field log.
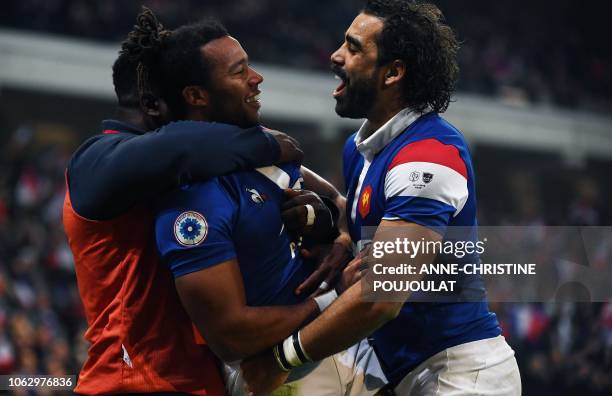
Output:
(253, 99)
(337, 77)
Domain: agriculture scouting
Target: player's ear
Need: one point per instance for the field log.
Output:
(395, 71)
(196, 96)
(150, 105)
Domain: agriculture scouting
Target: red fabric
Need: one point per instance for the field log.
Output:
(365, 201)
(130, 301)
(431, 150)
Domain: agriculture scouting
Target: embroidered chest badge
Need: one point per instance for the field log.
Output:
(190, 228)
(256, 196)
(365, 200)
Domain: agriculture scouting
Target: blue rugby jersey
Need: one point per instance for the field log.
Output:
(235, 216)
(418, 169)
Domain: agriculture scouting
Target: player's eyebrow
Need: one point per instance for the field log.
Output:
(353, 41)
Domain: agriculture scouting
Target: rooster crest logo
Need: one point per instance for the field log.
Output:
(365, 201)
(255, 196)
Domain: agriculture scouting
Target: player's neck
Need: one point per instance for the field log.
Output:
(381, 113)
(197, 114)
(133, 117)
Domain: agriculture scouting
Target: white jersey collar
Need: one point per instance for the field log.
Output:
(371, 145)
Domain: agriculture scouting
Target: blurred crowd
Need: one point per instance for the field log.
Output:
(562, 348)
(41, 319)
(523, 53)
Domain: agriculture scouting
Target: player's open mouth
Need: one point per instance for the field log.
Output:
(340, 88)
(253, 100)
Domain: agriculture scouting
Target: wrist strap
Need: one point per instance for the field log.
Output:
(279, 355)
(326, 299)
(310, 215)
(289, 354)
(297, 345)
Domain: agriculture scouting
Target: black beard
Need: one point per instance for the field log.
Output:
(358, 99)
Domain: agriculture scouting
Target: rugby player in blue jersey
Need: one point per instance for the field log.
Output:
(235, 263)
(408, 174)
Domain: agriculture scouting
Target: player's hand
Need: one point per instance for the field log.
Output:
(295, 214)
(353, 272)
(290, 150)
(332, 262)
(262, 374)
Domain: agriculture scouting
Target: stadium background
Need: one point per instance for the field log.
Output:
(534, 101)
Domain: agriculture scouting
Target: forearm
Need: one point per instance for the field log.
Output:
(340, 202)
(189, 151)
(344, 323)
(140, 167)
(342, 223)
(316, 183)
(254, 329)
(351, 318)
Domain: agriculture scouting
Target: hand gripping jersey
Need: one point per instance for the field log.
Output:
(417, 169)
(141, 339)
(235, 216)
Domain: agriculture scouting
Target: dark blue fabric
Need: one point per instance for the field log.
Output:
(110, 173)
(422, 329)
(239, 215)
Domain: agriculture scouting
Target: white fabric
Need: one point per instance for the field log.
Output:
(234, 383)
(290, 352)
(277, 175)
(484, 367)
(298, 184)
(310, 215)
(370, 145)
(354, 372)
(326, 299)
(362, 175)
(446, 185)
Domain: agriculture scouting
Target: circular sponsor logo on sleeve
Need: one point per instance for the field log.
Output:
(190, 228)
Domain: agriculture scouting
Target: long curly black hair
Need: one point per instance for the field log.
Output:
(416, 34)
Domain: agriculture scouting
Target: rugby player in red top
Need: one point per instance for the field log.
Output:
(141, 339)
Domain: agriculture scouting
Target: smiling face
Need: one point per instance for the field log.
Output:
(355, 63)
(234, 85)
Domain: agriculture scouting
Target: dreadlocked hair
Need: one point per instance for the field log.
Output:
(416, 34)
(143, 47)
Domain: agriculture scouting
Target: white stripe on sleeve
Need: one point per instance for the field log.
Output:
(411, 180)
(276, 174)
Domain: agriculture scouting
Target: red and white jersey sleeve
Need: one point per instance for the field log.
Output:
(426, 182)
